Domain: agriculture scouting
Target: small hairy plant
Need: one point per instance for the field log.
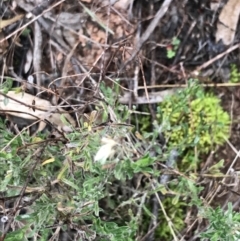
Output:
(223, 225)
(193, 118)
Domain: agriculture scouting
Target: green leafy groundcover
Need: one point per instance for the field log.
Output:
(189, 119)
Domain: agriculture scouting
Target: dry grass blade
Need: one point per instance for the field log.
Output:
(5, 23)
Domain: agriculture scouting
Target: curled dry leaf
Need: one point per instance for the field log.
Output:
(29, 59)
(31, 107)
(227, 23)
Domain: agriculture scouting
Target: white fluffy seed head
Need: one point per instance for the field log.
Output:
(105, 151)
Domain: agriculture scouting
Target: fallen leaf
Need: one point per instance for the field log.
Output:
(227, 22)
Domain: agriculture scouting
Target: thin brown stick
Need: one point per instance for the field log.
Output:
(219, 56)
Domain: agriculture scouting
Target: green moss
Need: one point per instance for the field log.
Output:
(176, 213)
(192, 118)
(234, 74)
